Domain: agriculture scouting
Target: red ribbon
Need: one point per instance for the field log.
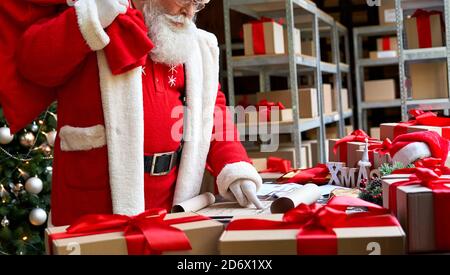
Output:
(357, 135)
(146, 233)
(381, 148)
(316, 223)
(431, 178)
(277, 165)
(420, 117)
(318, 175)
(386, 43)
(424, 27)
(267, 106)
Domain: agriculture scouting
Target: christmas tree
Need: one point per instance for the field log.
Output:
(25, 182)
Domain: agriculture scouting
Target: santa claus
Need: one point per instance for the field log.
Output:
(116, 151)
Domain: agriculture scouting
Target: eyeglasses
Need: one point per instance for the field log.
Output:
(198, 4)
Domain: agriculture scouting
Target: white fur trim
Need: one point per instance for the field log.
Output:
(123, 112)
(412, 152)
(202, 81)
(237, 171)
(82, 139)
(89, 24)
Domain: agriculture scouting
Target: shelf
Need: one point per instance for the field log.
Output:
(421, 4)
(280, 63)
(429, 104)
(375, 30)
(367, 62)
(269, 8)
(287, 126)
(381, 104)
(425, 54)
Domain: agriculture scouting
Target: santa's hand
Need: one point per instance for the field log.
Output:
(244, 192)
(108, 10)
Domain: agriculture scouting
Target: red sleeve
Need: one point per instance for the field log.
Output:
(225, 147)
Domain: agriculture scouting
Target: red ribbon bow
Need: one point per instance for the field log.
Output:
(318, 175)
(357, 135)
(146, 233)
(316, 223)
(266, 107)
(279, 165)
(381, 148)
(420, 117)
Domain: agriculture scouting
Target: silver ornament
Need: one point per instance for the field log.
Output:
(5, 135)
(5, 222)
(37, 216)
(51, 136)
(34, 185)
(34, 127)
(27, 139)
(16, 188)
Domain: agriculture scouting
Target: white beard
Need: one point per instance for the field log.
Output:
(171, 43)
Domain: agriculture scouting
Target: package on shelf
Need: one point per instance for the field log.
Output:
(203, 235)
(263, 38)
(267, 114)
(422, 212)
(379, 90)
(283, 152)
(260, 164)
(424, 29)
(327, 98)
(307, 100)
(270, 234)
(392, 130)
(375, 133)
(383, 54)
(386, 12)
(387, 43)
(344, 98)
(297, 41)
(308, 48)
(245, 100)
(314, 145)
(429, 80)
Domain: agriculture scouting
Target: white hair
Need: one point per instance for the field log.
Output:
(171, 43)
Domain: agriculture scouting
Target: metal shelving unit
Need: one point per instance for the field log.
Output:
(291, 65)
(404, 57)
(414, 55)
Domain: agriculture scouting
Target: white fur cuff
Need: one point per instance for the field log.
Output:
(237, 171)
(82, 139)
(90, 26)
(411, 153)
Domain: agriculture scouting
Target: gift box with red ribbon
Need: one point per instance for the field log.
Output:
(387, 43)
(317, 230)
(378, 154)
(421, 202)
(152, 232)
(424, 29)
(420, 121)
(264, 36)
(340, 150)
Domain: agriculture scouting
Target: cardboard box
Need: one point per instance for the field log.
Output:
(297, 41)
(203, 236)
(283, 152)
(327, 98)
(415, 212)
(307, 99)
(429, 80)
(350, 241)
(308, 48)
(386, 12)
(344, 96)
(383, 54)
(387, 130)
(273, 38)
(379, 90)
(387, 44)
(376, 159)
(413, 36)
(314, 145)
(260, 164)
(375, 133)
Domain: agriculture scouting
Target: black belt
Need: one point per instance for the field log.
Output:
(161, 164)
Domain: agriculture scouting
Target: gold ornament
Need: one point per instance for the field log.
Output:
(27, 139)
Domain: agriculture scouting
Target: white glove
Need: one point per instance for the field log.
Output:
(108, 10)
(244, 192)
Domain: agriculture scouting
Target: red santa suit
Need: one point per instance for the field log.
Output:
(107, 121)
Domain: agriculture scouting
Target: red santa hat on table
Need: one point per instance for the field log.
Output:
(410, 147)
